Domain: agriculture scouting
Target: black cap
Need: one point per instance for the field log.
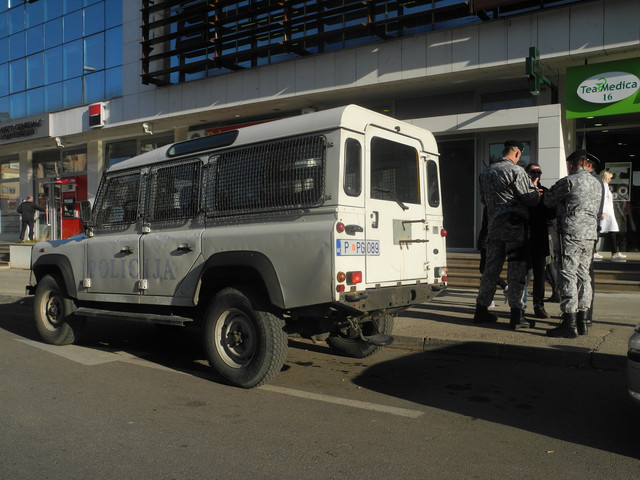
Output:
(514, 143)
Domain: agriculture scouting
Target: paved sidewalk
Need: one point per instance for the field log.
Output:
(445, 324)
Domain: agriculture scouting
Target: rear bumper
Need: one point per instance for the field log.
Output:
(390, 299)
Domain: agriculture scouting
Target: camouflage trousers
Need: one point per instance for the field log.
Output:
(575, 281)
(497, 251)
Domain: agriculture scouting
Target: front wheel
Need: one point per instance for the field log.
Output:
(52, 311)
(244, 346)
(349, 343)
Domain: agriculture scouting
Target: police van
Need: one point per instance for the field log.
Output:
(324, 225)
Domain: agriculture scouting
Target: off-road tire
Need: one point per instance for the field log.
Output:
(52, 312)
(247, 348)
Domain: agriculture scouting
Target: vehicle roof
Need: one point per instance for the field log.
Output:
(352, 117)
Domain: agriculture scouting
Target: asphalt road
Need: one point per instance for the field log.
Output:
(135, 401)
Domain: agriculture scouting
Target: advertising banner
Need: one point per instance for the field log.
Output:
(608, 88)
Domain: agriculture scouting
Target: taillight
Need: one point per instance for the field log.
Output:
(354, 277)
(339, 227)
(443, 232)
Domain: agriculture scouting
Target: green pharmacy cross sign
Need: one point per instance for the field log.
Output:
(535, 72)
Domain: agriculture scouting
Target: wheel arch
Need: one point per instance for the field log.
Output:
(55, 264)
(240, 268)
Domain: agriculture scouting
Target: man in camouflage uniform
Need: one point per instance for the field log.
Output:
(577, 199)
(507, 192)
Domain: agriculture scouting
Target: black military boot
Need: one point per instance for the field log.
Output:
(567, 329)
(582, 324)
(588, 316)
(518, 320)
(483, 315)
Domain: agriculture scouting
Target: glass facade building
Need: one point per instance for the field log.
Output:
(58, 54)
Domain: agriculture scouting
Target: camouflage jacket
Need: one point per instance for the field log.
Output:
(576, 198)
(507, 192)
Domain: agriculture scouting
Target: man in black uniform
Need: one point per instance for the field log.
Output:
(28, 210)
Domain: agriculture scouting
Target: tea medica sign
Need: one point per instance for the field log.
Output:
(608, 88)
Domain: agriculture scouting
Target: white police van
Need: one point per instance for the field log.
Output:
(324, 225)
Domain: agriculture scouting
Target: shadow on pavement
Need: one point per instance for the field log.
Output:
(582, 406)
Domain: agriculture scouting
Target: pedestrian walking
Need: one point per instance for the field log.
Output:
(577, 199)
(507, 192)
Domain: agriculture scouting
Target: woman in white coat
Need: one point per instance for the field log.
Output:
(608, 224)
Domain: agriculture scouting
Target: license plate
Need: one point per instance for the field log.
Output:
(357, 247)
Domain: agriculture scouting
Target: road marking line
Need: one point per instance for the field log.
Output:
(91, 356)
(403, 412)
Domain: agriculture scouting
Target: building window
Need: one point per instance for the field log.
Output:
(9, 197)
(58, 54)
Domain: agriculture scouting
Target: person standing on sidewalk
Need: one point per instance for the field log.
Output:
(507, 192)
(577, 199)
(539, 251)
(27, 210)
(608, 222)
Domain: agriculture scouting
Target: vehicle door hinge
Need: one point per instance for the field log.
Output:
(86, 282)
(143, 284)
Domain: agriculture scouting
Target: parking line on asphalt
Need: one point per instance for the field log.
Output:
(91, 356)
(402, 412)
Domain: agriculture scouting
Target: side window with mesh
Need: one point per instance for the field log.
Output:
(394, 171)
(174, 191)
(117, 201)
(270, 177)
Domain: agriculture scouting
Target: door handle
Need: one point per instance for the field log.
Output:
(184, 247)
(126, 251)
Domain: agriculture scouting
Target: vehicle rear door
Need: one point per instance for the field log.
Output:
(395, 208)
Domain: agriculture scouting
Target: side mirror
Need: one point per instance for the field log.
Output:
(85, 211)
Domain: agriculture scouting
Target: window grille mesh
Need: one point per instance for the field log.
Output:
(278, 176)
(117, 200)
(174, 191)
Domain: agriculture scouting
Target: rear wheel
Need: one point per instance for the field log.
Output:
(349, 342)
(52, 311)
(244, 346)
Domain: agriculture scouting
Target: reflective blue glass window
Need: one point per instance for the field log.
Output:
(16, 46)
(52, 9)
(113, 47)
(18, 105)
(53, 65)
(113, 82)
(72, 92)
(35, 101)
(113, 10)
(94, 87)
(91, 2)
(34, 71)
(4, 107)
(4, 25)
(53, 33)
(34, 39)
(72, 26)
(94, 19)
(16, 19)
(34, 13)
(72, 5)
(94, 53)
(4, 52)
(4, 79)
(72, 59)
(53, 97)
(17, 78)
